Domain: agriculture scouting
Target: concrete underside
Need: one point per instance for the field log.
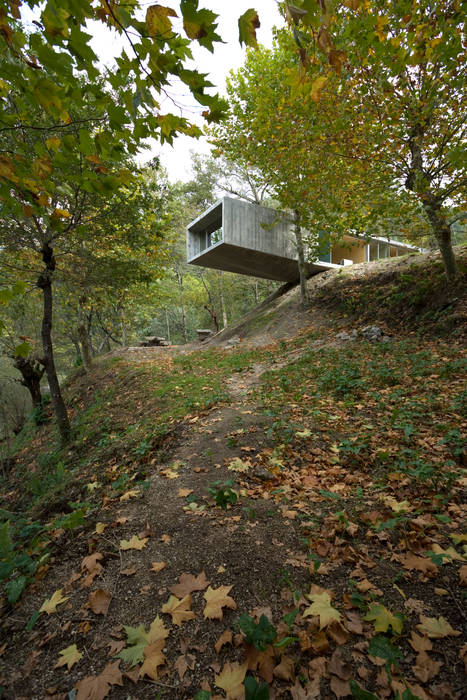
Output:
(232, 258)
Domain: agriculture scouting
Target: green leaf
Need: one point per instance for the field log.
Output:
(359, 693)
(133, 655)
(15, 588)
(32, 620)
(202, 695)
(6, 545)
(254, 691)
(383, 619)
(22, 350)
(261, 634)
(248, 23)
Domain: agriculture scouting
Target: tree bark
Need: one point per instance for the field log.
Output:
(221, 298)
(182, 303)
(83, 336)
(301, 260)
(44, 282)
(442, 232)
(31, 371)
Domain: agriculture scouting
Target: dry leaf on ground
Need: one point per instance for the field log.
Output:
(70, 656)
(98, 687)
(99, 601)
(216, 599)
(231, 680)
(158, 566)
(133, 543)
(49, 606)
(179, 609)
(187, 583)
(436, 628)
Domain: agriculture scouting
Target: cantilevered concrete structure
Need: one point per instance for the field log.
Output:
(237, 236)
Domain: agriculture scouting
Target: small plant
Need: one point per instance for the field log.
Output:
(223, 494)
(260, 634)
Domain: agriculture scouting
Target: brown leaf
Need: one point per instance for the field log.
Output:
(134, 543)
(340, 688)
(262, 661)
(166, 539)
(339, 667)
(158, 566)
(337, 632)
(116, 646)
(354, 622)
(179, 609)
(98, 687)
(225, 638)
(181, 666)
(426, 566)
(285, 670)
(183, 493)
(420, 643)
(187, 583)
(130, 571)
(99, 601)
(92, 566)
(216, 599)
(463, 575)
(425, 667)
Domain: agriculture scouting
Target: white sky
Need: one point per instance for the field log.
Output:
(226, 56)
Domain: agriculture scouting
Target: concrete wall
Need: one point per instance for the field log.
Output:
(258, 228)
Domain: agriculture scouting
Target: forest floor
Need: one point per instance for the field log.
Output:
(282, 519)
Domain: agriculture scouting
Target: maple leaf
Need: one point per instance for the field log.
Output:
(411, 561)
(134, 543)
(231, 680)
(383, 619)
(179, 609)
(237, 465)
(138, 639)
(153, 658)
(321, 606)
(216, 599)
(98, 687)
(70, 657)
(183, 493)
(425, 668)
(133, 493)
(436, 628)
(187, 583)
(99, 601)
(100, 527)
(225, 638)
(49, 606)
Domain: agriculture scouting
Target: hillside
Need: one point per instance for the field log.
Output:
(277, 513)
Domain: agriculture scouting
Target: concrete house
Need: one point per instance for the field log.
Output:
(236, 236)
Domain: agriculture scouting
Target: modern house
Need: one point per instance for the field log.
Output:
(237, 236)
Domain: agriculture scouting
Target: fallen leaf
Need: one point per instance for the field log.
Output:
(463, 575)
(49, 606)
(321, 606)
(339, 667)
(285, 670)
(158, 566)
(130, 571)
(100, 527)
(99, 601)
(425, 667)
(138, 639)
(183, 493)
(410, 561)
(166, 539)
(92, 565)
(216, 599)
(340, 688)
(436, 628)
(225, 638)
(179, 609)
(230, 679)
(187, 583)
(134, 543)
(70, 657)
(98, 687)
(133, 493)
(153, 658)
(420, 643)
(383, 619)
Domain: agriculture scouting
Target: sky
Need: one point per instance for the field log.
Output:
(227, 56)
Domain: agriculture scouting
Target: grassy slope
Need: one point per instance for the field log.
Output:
(365, 445)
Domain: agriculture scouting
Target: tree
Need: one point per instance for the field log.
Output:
(399, 70)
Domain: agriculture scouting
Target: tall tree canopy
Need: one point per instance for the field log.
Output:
(400, 68)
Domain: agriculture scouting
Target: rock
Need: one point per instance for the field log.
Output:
(204, 334)
(232, 342)
(372, 333)
(263, 474)
(154, 341)
(347, 337)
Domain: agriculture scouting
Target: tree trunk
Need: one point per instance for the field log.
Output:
(32, 372)
(83, 336)
(256, 292)
(44, 282)
(301, 260)
(182, 303)
(167, 324)
(442, 232)
(221, 298)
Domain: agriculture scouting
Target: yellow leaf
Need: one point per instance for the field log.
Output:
(383, 619)
(216, 599)
(179, 609)
(436, 628)
(134, 543)
(133, 493)
(100, 527)
(153, 658)
(61, 214)
(50, 606)
(316, 88)
(53, 143)
(449, 553)
(70, 657)
(157, 19)
(321, 606)
(158, 566)
(230, 679)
